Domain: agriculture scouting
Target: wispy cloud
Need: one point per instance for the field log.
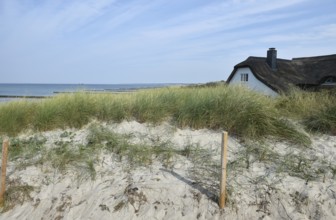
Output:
(221, 17)
(143, 36)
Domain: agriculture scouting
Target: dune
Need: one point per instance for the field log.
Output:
(266, 180)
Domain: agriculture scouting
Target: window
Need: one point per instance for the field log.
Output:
(244, 77)
(330, 80)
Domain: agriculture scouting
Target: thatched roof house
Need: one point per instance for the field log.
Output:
(272, 75)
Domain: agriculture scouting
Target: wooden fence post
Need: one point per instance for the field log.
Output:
(223, 170)
(3, 170)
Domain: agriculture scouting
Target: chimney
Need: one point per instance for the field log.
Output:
(272, 58)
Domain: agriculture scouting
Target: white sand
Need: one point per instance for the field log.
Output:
(157, 191)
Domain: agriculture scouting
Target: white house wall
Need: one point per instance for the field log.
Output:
(252, 82)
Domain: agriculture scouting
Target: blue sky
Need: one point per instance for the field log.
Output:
(154, 41)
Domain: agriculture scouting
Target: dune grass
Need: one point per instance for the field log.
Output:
(16, 116)
(316, 110)
(324, 120)
(301, 104)
(236, 109)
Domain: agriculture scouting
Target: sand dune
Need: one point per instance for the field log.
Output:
(266, 180)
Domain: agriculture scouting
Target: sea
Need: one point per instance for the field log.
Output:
(12, 91)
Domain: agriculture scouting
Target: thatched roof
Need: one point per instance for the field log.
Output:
(307, 71)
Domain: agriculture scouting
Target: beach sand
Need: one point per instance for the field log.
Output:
(185, 187)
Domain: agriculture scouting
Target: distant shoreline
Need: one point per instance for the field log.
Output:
(10, 92)
(108, 91)
(23, 96)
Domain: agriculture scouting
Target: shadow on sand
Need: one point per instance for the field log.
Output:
(196, 185)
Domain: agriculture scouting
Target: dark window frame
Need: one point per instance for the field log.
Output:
(244, 77)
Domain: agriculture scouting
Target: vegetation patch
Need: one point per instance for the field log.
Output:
(240, 111)
(16, 194)
(137, 154)
(323, 121)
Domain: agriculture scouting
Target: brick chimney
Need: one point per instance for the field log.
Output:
(272, 58)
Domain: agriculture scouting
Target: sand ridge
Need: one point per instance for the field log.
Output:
(186, 187)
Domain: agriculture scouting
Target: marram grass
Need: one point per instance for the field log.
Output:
(323, 121)
(235, 109)
(317, 110)
(300, 104)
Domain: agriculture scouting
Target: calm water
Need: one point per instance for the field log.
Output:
(9, 91)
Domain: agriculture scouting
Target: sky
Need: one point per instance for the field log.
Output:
(154, 41)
